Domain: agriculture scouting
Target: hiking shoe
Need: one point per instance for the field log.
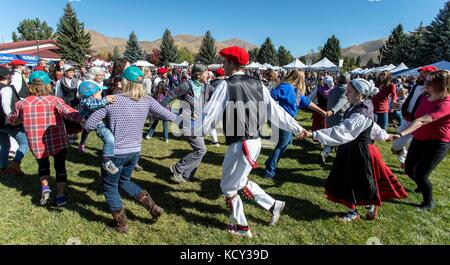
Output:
(177, 177)
(350, 217)
(278, 207)
(426, 207)
(14, 170)
(45, 195)
(110, 167)
(239, 230)
(82, 149)
(372, 215)
(61, 201)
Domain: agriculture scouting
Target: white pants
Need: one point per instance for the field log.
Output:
(235, 171)
(401, 144)
(215, 139)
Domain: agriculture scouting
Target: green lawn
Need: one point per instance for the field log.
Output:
(196, 213)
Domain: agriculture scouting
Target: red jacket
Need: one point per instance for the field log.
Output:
(381, 100)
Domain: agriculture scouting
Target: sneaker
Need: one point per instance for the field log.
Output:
(45, 195)
(372, 215)
(278, 207)
(426, 207)
(61, 201)
(350, 217)
(238, 230)
(324, 156)
(177, 177)
(166, 141)
(148, 137)
(138, 168)
(110, 167)
(215, 144)
(82, 149)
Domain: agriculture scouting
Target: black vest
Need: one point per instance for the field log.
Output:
(23, 93)
(406, 115)
(15, 97)
(70, 93)
(244, 119)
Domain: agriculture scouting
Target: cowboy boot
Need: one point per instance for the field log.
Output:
(14, 170)
(120, 217)
(146, 200)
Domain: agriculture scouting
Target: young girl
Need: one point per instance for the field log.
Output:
(42, 116)
(160, 94)
(359, 176)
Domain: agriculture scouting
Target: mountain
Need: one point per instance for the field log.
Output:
(101, 42)
(366, 50)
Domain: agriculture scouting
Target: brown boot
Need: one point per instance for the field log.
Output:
(120, 217)
(13, 170)
(149, 204)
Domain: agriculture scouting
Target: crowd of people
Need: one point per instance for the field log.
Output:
(46, 108)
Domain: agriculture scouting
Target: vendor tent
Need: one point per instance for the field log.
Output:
(442, 65)
(296, 64)
(253, 65)
(324, 64)
(400, 67)
(143, 64)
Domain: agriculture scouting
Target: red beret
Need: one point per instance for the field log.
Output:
(162, 70)
(236, 54)
(428, 68)
(18, 62)
(220, 72)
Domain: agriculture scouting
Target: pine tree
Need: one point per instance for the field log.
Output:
(133, 52)
(253, 54)
(370, 63)
(168, 50)
(116, 54)
(358, 61)
(33, 29)
(436, 46)
(73, 41)
(332, 50)
(267, 53)
(284, 56)
(208, 51)
(396, 39)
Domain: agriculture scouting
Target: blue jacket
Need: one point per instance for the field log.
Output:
(286, 96)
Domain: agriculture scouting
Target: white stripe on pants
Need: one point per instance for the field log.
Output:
(402, 143)
(235, 171)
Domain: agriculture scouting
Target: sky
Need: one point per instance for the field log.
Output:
(299, 25)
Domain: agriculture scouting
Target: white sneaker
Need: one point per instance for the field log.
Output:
(177, 177)
(148, 137)
(239, 231)
(276, 212)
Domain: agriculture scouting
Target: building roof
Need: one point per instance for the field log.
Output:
(25, 44)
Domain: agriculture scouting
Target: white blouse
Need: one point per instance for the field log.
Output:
(349, 130)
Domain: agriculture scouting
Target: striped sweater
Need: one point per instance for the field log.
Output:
(126, 120)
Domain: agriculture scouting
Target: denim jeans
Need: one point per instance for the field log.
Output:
(104, 133)
(19, 135)
(382, 119)
(152, 129)
(285, 138)
(122, 179)
(397, 115)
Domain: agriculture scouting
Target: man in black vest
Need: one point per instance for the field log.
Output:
(244, 104)
(18, 81)
(408, 110)
(8, 98)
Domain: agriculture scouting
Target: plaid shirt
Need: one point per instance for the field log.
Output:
(42, 119)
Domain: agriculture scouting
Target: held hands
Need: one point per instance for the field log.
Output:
(326, 114)
(304, 134)
(111, 99)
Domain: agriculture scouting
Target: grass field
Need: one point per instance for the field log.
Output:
(196, 212)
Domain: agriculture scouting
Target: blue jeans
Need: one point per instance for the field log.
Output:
(382, 119)
(152, 129)
(285, 138)
(19, 135)
(122, 179)
(398, 116)
(107, 137)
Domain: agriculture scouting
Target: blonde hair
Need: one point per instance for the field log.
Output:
(133, 90)
(297, 79)
(38, 88)
(441, 81)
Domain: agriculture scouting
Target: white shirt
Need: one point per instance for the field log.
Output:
(6, 94)
(16, 81)
(419, 91)
(219, 101)
(349, 130)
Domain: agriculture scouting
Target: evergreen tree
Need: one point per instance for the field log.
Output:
(116, 54)
(208, 51)
(358, 61)
(33, 29)
(332, 50)
(73, 41)
(133, 52)
(284, 56)
(370, 63)
(396, 39)
(253, 54)
(168, 50)
(436, 46)
(267, 53)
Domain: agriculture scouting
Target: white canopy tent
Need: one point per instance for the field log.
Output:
(214, 67)
(143, 64)
(442, 65)
(400, 67)
(296, 64)
(324, 64)
(254, 66)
